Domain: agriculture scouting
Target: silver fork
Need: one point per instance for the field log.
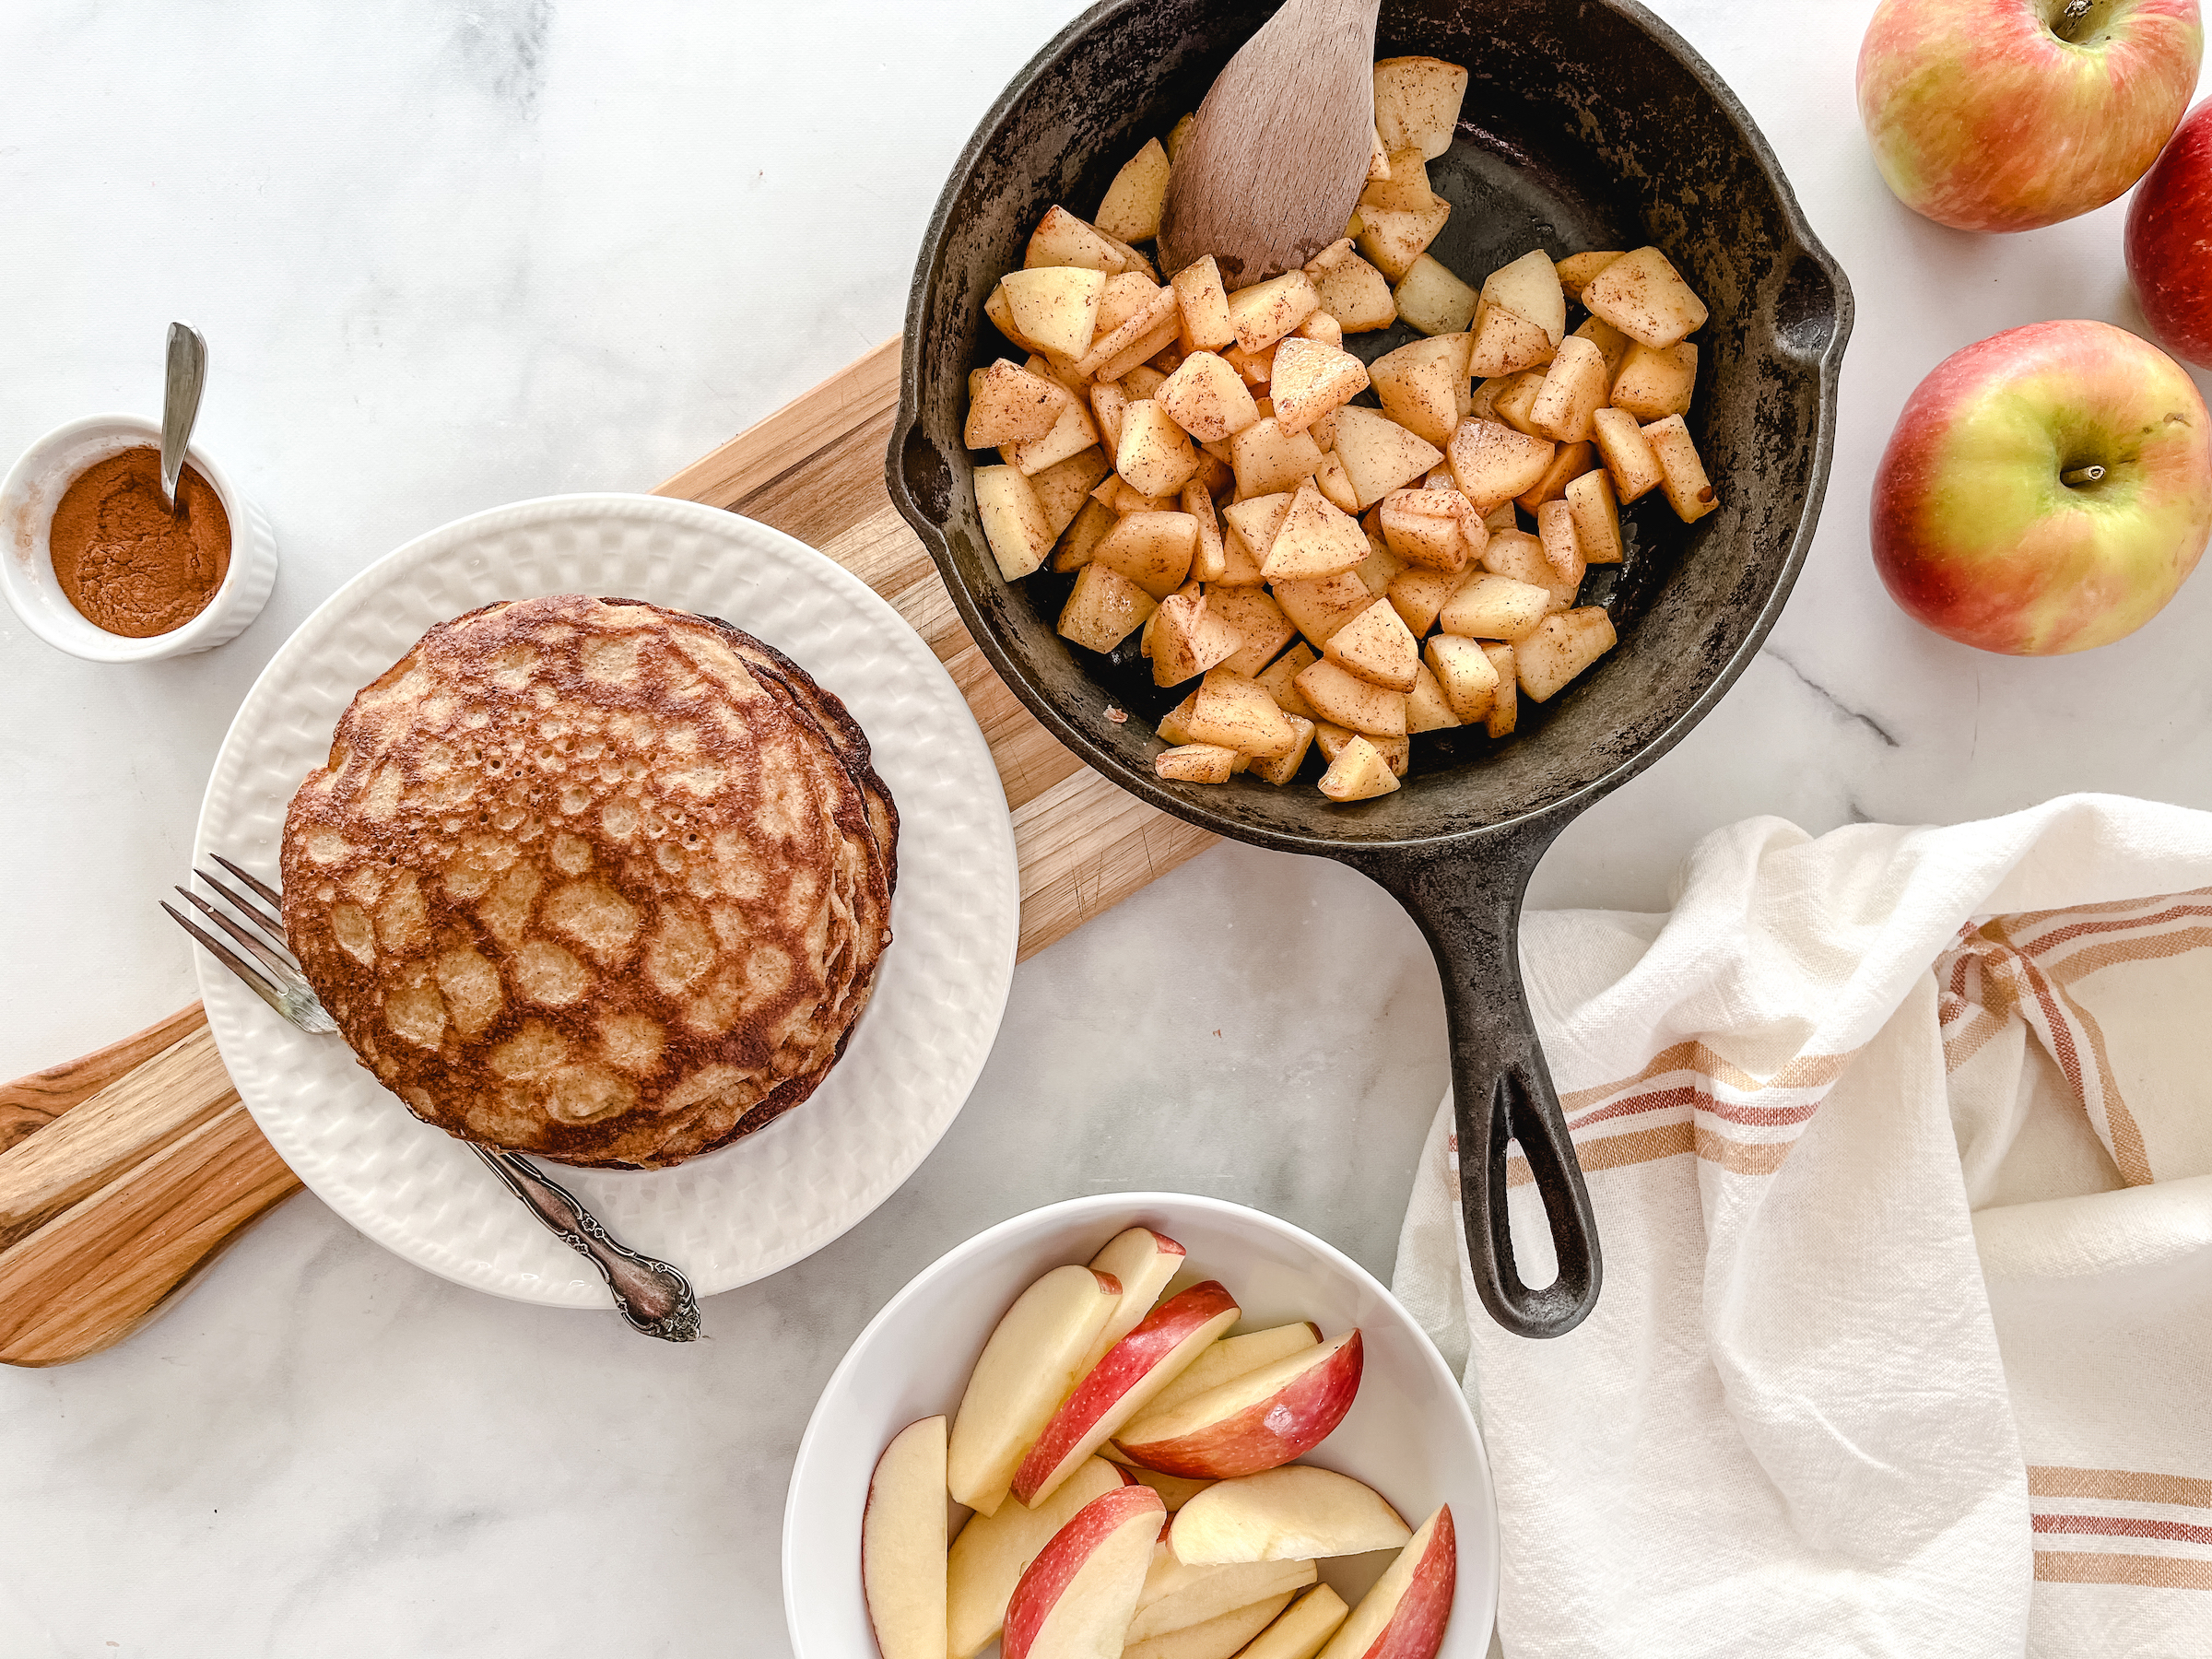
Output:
(652, 1296)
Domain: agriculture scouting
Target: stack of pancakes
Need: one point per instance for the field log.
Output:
(594, 880)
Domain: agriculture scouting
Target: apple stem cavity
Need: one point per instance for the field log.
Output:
(2070, 21)
(2081, 475)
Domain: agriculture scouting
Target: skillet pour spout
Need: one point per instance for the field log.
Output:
(1588, 125)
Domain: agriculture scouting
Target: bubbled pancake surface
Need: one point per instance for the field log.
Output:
(581, 879)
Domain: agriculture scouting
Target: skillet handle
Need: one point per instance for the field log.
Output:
(1469, 908)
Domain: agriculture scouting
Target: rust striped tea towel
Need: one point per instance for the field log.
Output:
(1901, 1147)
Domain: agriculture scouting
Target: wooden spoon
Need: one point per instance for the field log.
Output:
(1273, 167)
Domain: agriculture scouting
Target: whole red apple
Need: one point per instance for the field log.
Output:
(2009, 115)
(2046, 491)
(2170, 239)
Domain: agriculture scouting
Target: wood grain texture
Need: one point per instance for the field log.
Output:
(158, 1101)
(123, 1173)
(31, 1103)
(1272, 166)
(95, 1273)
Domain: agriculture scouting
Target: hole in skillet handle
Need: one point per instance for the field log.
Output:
(1464, 894)
(1522, 1111)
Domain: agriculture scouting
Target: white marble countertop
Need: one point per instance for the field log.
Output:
(448, 257)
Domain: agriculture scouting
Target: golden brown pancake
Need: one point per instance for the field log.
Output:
(593, 879)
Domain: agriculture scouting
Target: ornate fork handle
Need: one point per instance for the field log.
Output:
(653, 1297)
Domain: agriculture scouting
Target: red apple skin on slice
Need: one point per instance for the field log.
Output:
(993, 1551)
(1258, 1421)
(1233, 1356)
(1120, 1385)
(902, 1543)
(1143, 1261)
(1076, 1598)
(1405, 1615)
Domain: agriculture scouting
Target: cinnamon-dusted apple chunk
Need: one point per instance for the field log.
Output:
(1378, 647)
(1315, 539)
(1310, 379)
(1208, 398)
(1007, 404)
(1681, 473)
(1643, 296)
(1056, 307)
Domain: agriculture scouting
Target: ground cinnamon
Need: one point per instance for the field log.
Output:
(127, 563)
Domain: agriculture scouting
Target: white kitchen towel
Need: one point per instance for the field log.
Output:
(1899, 1142)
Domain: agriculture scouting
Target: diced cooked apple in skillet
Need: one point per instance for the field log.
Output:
(1104, 608)
(1214, 469)
(1628, 457)
(1152, 550)
(1054, 307)
(1332, 740)
(1596, 518)
(1352, 291)
(1422, 386)
(1264, 313)
(1196, 763)
(1464, 674)
(1310, 379)
(1569, 462)
(1643, 296)
(1357, 774)
(1651, 384)
(1007, 404)
(1316, 538)
(1014, 522)
(1432, 300)
(1529, 288)
(1416, 103)
(1681, 473)
(1576, 270)
(1132, 204)
(1267, 460)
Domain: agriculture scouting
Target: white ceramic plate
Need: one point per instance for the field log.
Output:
(1409, 1434)
(766, 1201)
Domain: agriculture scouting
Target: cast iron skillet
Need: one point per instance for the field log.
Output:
(1587, 124)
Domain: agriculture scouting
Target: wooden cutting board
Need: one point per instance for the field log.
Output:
(123, 1173)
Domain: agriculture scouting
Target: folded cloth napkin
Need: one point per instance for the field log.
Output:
(1899, 1142)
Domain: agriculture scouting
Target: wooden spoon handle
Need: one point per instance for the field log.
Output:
(125, 1175)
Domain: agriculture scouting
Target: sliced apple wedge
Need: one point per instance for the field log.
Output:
(1221, 1637)
(1026, 1369)
(1405, 1615)
(1143, 1261)
(1258, 1421)
(1122, 1383)
(902, 1543)
(1286, 1514)
(1302, 1631)
(993, 1551)
(1076, 1600)
(1177, 1596)
(1232, 1357)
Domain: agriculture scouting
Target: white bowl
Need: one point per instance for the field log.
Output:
(1409, 1434)
(28, 499)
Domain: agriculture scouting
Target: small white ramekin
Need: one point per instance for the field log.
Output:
(28, 499)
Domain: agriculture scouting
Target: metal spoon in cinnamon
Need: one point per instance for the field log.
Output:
(1273, 167)
(184, 377)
